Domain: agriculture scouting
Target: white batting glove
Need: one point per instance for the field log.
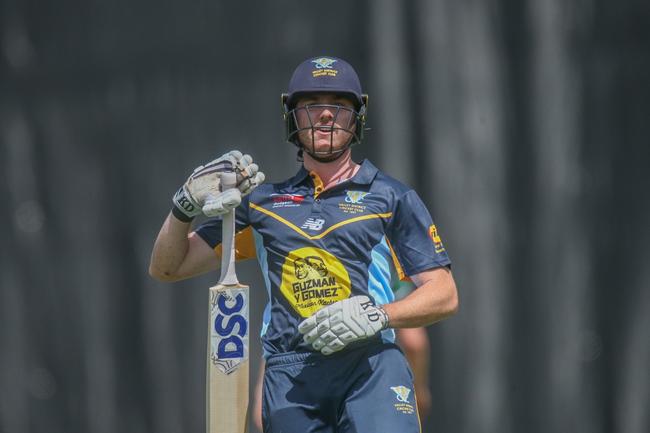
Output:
(222, 203)
(203, 190)
(332, 328)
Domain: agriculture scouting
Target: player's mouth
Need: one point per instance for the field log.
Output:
(324, 129)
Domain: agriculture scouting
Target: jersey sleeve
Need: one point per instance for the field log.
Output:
(210, 231)
(402, 288)
(414, 237)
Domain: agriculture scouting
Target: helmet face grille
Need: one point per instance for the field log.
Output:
(337, 120)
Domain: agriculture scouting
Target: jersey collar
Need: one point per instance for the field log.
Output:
(364, 176)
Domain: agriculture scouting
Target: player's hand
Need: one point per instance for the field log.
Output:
(332, 328)
(204, 192)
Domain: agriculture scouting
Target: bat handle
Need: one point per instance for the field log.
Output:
(228, 275)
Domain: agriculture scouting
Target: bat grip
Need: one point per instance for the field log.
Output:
(228, 275)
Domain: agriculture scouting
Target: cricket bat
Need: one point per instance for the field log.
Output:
(228, 330)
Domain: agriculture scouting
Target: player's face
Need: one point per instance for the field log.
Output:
(326, 123)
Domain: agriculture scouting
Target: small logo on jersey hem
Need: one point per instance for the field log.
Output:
(286, 200)
(402, 395)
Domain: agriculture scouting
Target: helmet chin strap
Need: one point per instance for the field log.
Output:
(326, 158)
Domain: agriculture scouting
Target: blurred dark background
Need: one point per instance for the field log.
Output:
(522, 124)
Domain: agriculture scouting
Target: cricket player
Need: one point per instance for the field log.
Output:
(330, 240)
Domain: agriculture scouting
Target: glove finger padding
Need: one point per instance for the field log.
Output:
(334, 346)
(323, 327)
(244, 160)
(348, 337)
(311, 336)
(330, 310)
(222, 203)
(328, 337)
(248, 184)
(248, 175)
(340, 328)
(307, 325)
(247, 171)
(318, 344)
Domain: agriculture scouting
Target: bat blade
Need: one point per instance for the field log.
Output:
(228, 359)
(228, 329)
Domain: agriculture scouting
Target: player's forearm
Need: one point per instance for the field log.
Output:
(434, 299)
(170, 249)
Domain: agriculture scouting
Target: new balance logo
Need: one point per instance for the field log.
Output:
(314, 224)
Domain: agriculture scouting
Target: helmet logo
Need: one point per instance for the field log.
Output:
(323, 62)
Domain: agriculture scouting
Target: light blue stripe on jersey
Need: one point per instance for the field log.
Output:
(380, 280)
(260, 251)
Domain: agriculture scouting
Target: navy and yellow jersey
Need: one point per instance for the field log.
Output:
(316, 248)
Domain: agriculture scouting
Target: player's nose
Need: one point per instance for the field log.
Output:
(326, 115)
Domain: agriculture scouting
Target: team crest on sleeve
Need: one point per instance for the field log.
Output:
(403, 404)
(437, 242)
(313, 278)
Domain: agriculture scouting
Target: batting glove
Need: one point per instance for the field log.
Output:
(203, 191)
(332, 328)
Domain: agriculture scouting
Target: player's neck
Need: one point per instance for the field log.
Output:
(332, 172)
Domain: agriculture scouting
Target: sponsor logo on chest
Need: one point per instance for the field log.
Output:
(313, 278)
(286, 200)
